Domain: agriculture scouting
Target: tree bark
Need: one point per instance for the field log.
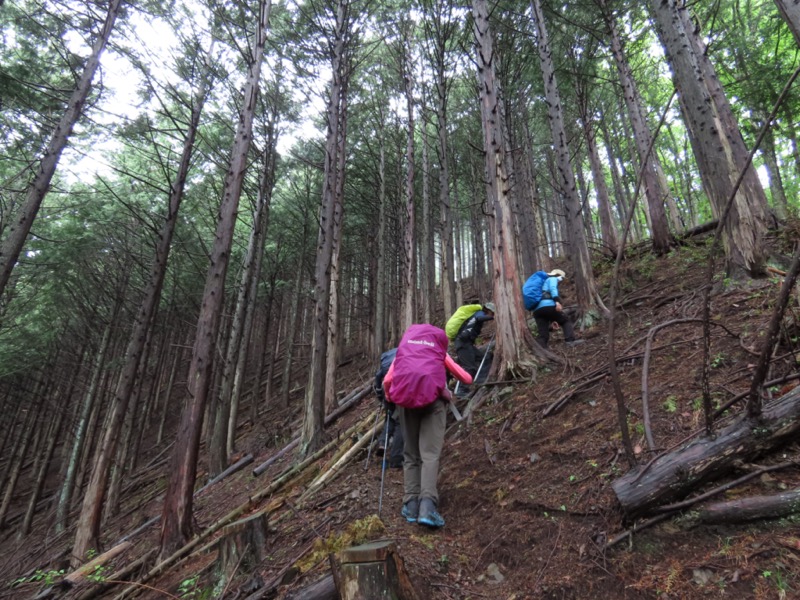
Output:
(655, 185)
(790, 11)
(19, 459)
(315, 390)
(409, 275)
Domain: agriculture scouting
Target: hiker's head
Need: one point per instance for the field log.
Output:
(557, 273)
(488, 307)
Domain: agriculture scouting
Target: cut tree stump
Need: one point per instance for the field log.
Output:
(373, 571)
(673, 475)
(241, 546)
(756, 507)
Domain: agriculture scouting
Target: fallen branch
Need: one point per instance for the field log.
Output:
(284, 479)
(328, 475)
(756, 507)
(724, 488)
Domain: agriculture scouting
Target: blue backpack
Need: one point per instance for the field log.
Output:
(532, 290)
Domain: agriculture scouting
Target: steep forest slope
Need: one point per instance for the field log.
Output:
(527, 498)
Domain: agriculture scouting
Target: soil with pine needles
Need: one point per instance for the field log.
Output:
(527, 498)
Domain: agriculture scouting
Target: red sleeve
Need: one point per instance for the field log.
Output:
(387, 381)
(457, 371)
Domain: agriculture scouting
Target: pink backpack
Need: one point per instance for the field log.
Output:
(418, 377)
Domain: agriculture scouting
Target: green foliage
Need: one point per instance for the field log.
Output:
(189, 589)
(39, 576)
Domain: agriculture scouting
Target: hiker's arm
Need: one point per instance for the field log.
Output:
(555, 296)
(454, 369)
(387, 382)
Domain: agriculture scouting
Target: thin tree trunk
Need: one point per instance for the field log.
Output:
(314, 414)
(19, 228)
(19, 458)
(89, 401)
(655, 186)
(226, 416)
(409, 277)
(88, 529)
(44, 465)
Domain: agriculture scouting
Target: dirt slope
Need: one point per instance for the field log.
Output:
(526, 498)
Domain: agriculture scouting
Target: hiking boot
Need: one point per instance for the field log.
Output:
(573, 343)
(410, 510)
(428, 515)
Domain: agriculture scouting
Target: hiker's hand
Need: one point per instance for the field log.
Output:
(559, 307)
(447, 395)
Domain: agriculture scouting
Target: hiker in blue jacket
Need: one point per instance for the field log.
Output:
(550, 310)
(469, 355)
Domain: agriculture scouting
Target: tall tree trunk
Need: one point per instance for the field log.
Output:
(409, 278)
(579, 250)
(655, 185)
(790, 11)
(176, 362)
(294, 322)
(226, 416)
(381, 269)
(313, 419)
(19, 228)
(607, 227)
(779, 203)
(334, 341)
(513, 338)
(176, 517)
(53, 437)
(716, 141)
(425, 258)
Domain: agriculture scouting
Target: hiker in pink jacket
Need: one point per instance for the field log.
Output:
(417, 383)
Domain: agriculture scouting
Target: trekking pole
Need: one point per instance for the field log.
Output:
(372, 439)
(489, 347)
(383, 463)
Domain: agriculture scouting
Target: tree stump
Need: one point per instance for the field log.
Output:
(241, 545)
(373, 571)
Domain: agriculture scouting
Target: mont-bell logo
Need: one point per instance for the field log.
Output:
(423, 342)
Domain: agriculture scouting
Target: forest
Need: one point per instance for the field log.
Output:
(215, 215)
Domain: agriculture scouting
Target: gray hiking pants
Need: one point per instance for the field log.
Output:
(423, 430)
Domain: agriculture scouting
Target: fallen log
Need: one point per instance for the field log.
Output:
(675, 474)
(324, 589)
(756, 507)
